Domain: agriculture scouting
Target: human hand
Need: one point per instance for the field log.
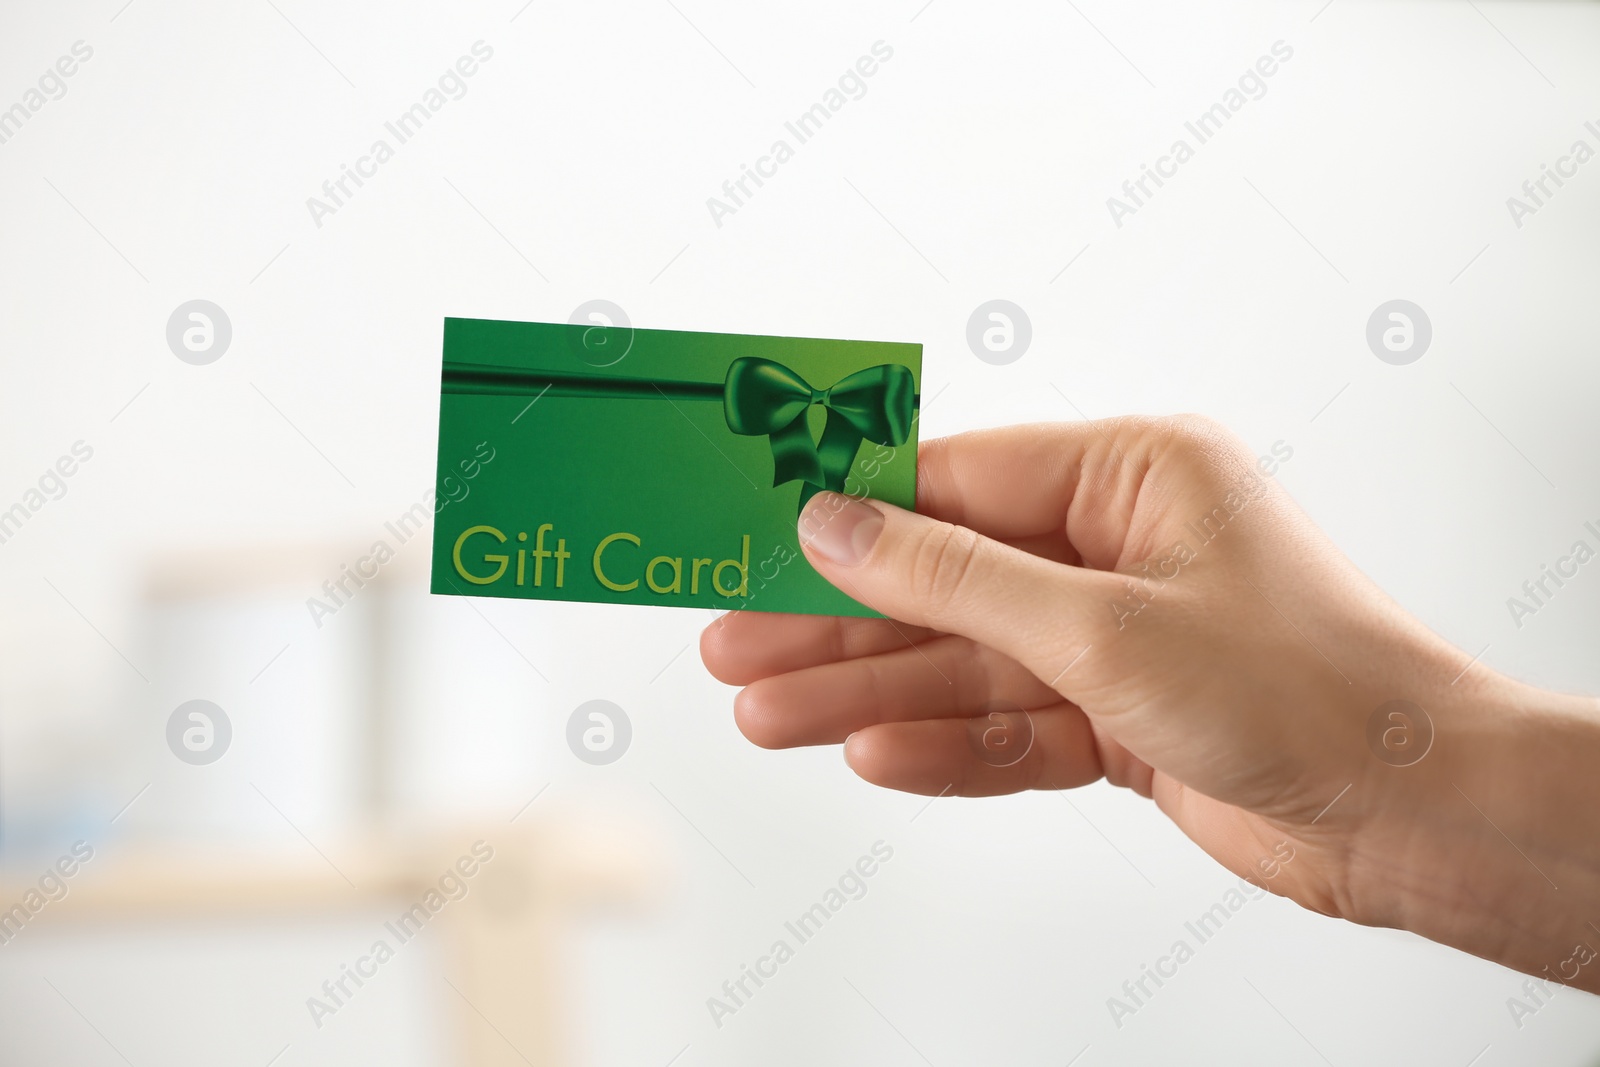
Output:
(1168, 619)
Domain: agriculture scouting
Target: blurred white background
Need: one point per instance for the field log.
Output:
(577, 165)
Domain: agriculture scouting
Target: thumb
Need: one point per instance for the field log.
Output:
(947, 577)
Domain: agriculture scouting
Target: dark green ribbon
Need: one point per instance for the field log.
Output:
(759, 398)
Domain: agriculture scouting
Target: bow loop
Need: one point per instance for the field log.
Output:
(761, 397)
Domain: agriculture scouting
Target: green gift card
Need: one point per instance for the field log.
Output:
(628, 466)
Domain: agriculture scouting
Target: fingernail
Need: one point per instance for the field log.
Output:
(840, 528)
(845, 751)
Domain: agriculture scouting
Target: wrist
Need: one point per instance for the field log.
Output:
(1491, 843)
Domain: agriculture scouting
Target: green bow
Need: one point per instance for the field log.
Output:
(763, 397)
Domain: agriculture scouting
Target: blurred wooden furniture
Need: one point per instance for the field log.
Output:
(501, 939)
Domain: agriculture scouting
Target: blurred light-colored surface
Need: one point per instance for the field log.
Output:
(176, 562)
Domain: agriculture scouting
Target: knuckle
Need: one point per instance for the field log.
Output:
(1207, 447)
(941, 563)
(1201, 434)
(1193, 424)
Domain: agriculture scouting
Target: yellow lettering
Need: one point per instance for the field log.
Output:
(694, 580)
(742, 565)
(677, 575)
(540, 554)
(601, 574)
(455, 555)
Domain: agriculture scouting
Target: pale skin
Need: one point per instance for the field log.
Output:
(1237, 697)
